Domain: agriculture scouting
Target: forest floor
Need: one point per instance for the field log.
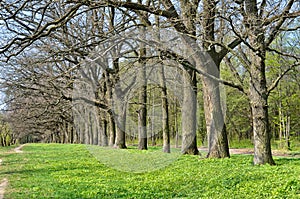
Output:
(4, 181)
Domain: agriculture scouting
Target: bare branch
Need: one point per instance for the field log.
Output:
(233, 70)
(277, 80)
(187, 65)
(226, 49)
(283, 53)
(26, 41)
(285, 15)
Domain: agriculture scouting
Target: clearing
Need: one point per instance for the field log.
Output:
(71, 171)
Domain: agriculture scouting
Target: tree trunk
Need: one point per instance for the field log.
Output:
(165, 111)
(261, 128)
(121, 106)
(72, 140)
(121, 123)
(142, 112)
(112, 130)
(120, 139)
(104, 138)
(215, 125)
(142, 119)
(86, 136)
(189, 105)
(95, 128)
(101, 129)
(109, 99)
(259, 107)
(176, 125)
(120, 118)
(153, 136)
(189, 108)
(258, 86)
(287, 132)
(164, 102)
(281, 124)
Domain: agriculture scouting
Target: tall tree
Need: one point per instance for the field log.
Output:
(253, 25)
(259, 92)
(165, 111)
(142, 112)
(164, 100)
(261, 23)
(214, 117)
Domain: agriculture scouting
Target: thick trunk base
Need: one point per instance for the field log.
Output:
(166, 148)
(120, 146)
(214, 118)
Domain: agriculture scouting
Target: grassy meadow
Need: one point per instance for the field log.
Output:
(80, 171)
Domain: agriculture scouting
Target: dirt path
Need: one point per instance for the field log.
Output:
(18, 149)
(4, 181)
(3, 185)
(251, 152)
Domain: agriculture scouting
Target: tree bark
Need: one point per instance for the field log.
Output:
(165, 111)
(164, 102)
(142, 112)
(103, 131)
(112, 130)
(120, 118)
(121, 107)
(189, 117)
(258, 86)
(261, 127)
(121, 123)
(189, 105)
(176, 125)
(215, 124)
(111, 120)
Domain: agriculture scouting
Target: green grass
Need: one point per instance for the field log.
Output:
(71, 171)
(133, 160)
(7, 148)
(239, 144)
(247, 143)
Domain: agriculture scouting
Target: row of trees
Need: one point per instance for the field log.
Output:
(78, 71)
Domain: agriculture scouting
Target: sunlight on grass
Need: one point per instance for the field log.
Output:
(72, 171)
(133, 160)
